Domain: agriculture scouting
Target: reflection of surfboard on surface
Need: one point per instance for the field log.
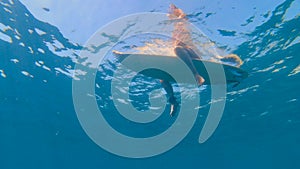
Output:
(232, 74)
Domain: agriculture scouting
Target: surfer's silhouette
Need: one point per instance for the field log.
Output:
(184, 49)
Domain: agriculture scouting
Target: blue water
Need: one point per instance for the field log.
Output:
(39, 127)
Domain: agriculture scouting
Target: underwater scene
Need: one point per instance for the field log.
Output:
(150, 84)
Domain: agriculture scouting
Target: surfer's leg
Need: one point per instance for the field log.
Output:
(187, 55)
(171, 98)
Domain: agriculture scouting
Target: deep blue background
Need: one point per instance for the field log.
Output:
(39, 128)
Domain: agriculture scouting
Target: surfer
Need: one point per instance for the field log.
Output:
(184, 49)
(182, 41)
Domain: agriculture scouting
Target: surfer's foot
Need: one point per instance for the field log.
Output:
(200, 80)
(173, 110)
(174, 105)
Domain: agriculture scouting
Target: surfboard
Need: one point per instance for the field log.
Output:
(205, 68)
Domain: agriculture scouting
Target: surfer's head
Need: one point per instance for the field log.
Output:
(175, 13)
